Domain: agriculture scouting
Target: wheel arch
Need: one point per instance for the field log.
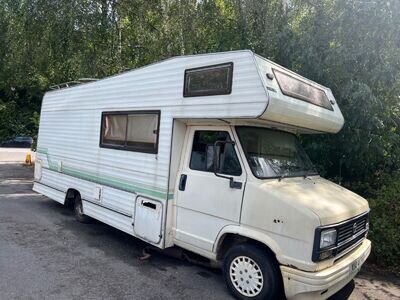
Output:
(70, 197)
(233, 235)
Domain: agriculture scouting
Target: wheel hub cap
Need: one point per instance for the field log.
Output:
(246, 276)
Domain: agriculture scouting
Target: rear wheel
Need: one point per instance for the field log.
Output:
(78, 209)
(250, 273)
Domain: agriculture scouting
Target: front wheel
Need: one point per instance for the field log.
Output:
(250, 273)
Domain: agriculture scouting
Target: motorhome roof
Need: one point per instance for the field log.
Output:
(80, 81)
(254, 88)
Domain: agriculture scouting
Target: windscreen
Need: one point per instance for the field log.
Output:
(273, 154)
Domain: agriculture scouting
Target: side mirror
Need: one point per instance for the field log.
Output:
(217, 153)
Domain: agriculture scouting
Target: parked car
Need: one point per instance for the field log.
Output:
(19, 141)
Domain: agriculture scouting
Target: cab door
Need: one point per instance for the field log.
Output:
(206, 202)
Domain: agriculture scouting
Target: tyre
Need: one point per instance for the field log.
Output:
(251, 273)
(78, 209)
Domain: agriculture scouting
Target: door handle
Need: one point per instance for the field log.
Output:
(149, 204)
(182, 182)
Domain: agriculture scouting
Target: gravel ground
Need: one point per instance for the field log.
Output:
(46, 254)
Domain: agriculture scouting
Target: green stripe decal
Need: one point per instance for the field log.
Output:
(106, 180)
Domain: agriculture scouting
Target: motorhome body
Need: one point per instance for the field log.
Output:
(201, 152)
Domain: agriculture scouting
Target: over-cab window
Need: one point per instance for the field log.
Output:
(133, 131)
(203, 153)
(208, 81)
(302, 90)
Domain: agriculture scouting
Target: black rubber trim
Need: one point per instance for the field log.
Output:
(107, 207)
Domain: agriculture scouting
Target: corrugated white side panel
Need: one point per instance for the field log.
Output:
(119, 200)
(114, 199)
(69, 132)
(70, 120)
(287, 110)
(109, 217)
(72, 137)
(64, 182)
(49, 192)
(161, 85)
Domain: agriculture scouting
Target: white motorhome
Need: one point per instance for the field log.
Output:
(201, 152)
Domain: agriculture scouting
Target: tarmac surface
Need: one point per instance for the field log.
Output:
(46, 254)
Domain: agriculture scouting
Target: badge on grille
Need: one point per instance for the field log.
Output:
(354, 227)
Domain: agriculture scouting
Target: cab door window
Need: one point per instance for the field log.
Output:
(203, 153)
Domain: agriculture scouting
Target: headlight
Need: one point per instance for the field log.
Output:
(328, 238)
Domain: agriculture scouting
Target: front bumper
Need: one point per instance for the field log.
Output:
(323, 284)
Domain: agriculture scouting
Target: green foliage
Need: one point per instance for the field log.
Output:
(348, 46)
(385, 223)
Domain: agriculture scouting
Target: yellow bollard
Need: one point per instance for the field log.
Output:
(28, 160)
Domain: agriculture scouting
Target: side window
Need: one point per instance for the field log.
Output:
(301, 90)
(114, 129)
(142, 132)
(202, 156)
(132, 131)
(208, 80)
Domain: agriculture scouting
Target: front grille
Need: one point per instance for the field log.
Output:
(350, 232)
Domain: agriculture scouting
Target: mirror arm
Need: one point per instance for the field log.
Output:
(232, 183)
(222, 176)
